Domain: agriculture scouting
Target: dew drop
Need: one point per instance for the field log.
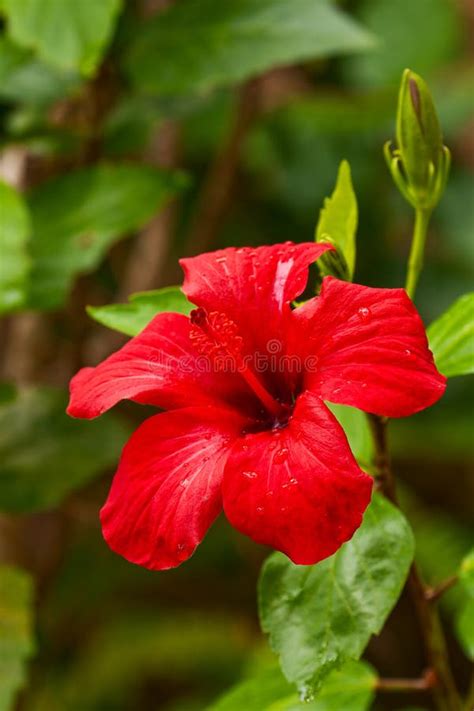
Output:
(293, 481)
(269, 493)
(305, 694)
(281, 455)
(220, 260)
(184, 482)
(249, 474)
(181, 547)
(364, 313)
(283, 509)
(260, 510)
(408, 352)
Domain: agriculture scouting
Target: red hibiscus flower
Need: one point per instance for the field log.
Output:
(244, 380)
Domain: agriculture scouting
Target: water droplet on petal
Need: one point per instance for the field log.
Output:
(269, 493)
(281, 456)
(183, 551)
(184, 482)
(249, 474)
(293, 481)
(220, 260)
(364, 313)
(408, 352)
(283, 509)
(260, 510)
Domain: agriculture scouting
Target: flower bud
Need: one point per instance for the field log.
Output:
(420, 162)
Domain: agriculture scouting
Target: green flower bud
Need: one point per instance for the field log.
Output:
(420, 162)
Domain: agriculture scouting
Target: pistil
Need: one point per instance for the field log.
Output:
(215, 335)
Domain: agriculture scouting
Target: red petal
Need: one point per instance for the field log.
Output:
(158, 367)
(298, 489)
(253, 287)
(371, 349)
(167, 489)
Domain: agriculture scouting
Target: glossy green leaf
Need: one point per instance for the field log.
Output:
(356, 426)
(16, 633)
(45, 455)
(15, 228)
(351, 687)
(77, 217)
(66, 33)
(198, 45)
(132, 318)
(320, 616)
(338, 221)
(451, 338)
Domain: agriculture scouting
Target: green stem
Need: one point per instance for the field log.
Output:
(415, 260)
(444, 690)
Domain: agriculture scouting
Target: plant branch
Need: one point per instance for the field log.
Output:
(424, 683)
(435, 592)
(444, 691)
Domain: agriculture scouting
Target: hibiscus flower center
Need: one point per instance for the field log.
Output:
(216, 337)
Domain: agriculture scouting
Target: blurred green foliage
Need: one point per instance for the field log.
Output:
(87, 92)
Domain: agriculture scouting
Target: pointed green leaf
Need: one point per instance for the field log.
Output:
(16, 633)
(66, 33)
(15, 230)
(45, 455)
(451, 338)
(132, 318)
(323, 615)
(351, 687)
(77, 217)
(338, 221)
(200, 44)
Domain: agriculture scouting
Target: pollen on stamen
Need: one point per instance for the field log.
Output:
(214, 335)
